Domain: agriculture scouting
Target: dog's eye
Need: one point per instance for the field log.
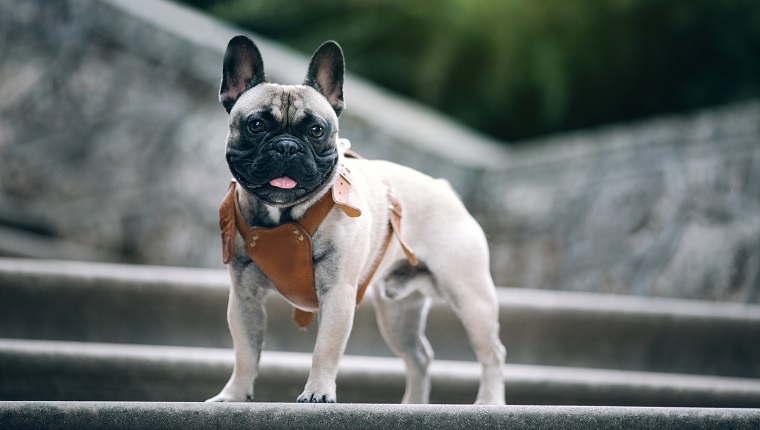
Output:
(256, 126)
(316, 131)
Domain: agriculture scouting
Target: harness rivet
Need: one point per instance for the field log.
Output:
(252, 244)
(300, 238)
(255, 237)
(295, 231)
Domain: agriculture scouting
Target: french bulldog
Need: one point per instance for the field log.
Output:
(285, 154)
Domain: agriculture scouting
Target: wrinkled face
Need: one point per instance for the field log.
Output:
(282, 142)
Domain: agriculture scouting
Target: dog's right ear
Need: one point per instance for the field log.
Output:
(243, 69)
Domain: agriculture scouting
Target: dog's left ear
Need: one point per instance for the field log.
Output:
(243, 69)
(325, 74)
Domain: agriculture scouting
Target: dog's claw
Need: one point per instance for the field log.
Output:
(315, 398)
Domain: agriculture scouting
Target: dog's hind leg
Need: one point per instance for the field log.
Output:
(402, 325)
(460, 267)
(474, 300)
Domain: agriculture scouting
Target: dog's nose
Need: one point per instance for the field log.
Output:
(286, 147)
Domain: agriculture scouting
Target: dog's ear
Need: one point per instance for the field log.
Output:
(325, 74)
(243, 68)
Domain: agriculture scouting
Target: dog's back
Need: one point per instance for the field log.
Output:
(435, 222)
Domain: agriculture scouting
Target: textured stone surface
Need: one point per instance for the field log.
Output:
(666, 207)
(102, 146)
(111, 141)
(62, 415)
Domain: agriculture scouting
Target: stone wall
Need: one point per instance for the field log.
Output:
(102, 146)
(111, 141)
(669, 206)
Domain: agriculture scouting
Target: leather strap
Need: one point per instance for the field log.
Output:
(284, 253)
(350, 153)
(316, 214)
(231, 218)
(227, 219)
(394, 217)
(394, 227)
(340, 191)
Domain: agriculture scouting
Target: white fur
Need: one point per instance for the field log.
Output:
(446, 239)
(450, 245)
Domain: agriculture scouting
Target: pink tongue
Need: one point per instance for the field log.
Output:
(283, 182)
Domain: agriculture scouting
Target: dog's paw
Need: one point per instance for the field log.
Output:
(490, 402)
(309, 397)
(231, 397)
(493, 397)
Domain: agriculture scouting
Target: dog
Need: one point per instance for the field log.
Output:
(285, 155)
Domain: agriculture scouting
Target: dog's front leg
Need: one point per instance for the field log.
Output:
(247, 320)
(336, 318)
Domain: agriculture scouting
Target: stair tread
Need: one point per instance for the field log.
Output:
(293, 368)
(218, 279)
(188, 416)
(186, 307)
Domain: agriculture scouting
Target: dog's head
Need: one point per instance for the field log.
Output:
(282, 141)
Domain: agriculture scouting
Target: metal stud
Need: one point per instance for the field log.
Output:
(300, 238)
(295, 231)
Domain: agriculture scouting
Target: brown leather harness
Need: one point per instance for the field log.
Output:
(284, 253)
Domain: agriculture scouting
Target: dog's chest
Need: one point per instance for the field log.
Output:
(284, 254)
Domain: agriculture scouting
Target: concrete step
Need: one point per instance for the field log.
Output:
(190, 416)
(98, 302)
(56, 371)
(20, 243)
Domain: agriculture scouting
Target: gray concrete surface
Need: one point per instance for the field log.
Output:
(188, 416)
(187, 307)
(45, 370)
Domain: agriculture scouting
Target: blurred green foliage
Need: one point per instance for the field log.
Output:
(520, 68)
